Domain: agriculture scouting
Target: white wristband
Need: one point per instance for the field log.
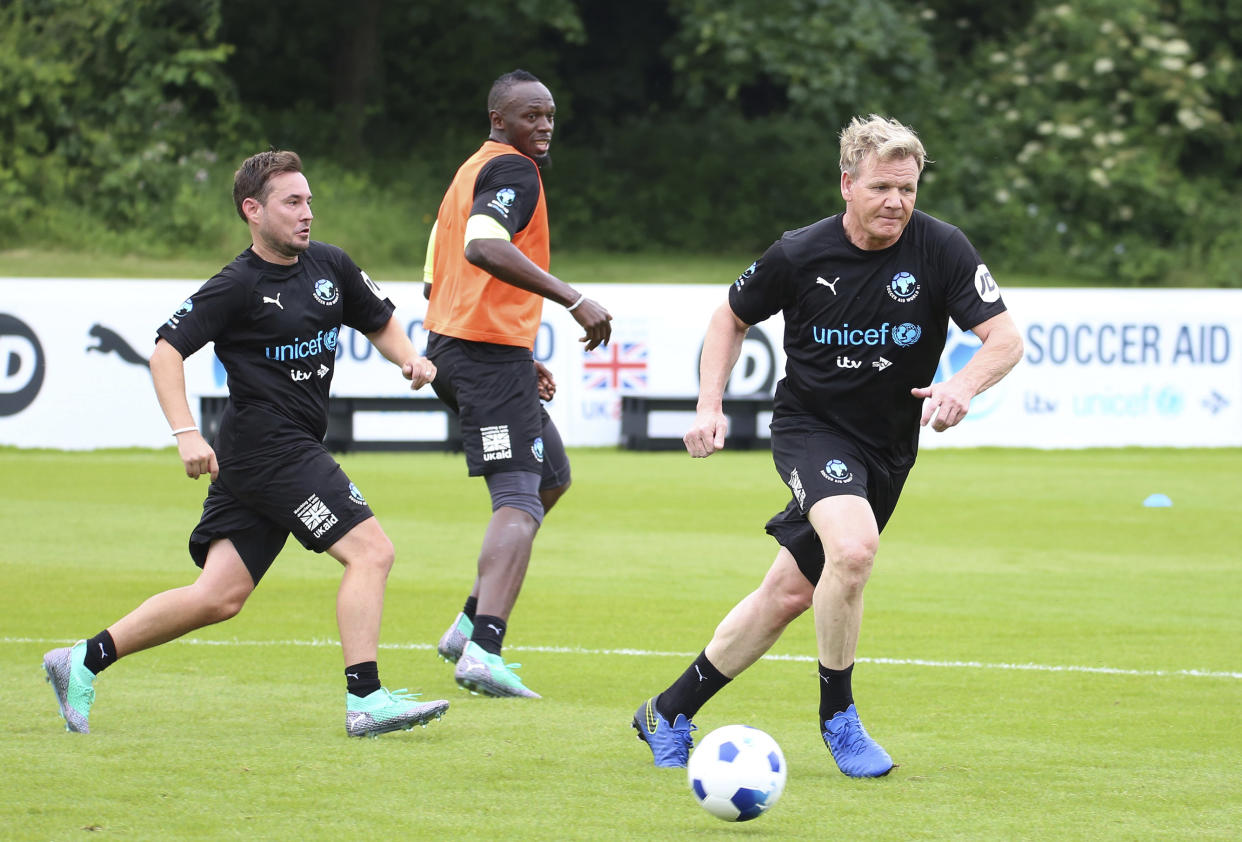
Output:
(573, 306)
(184, 430)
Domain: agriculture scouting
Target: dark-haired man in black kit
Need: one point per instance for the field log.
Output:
(275, 315)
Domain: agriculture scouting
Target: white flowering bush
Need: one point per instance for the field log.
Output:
(1092, 144)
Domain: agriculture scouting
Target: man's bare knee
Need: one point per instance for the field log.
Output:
(377, 557)
(220, 604)
(851, 564)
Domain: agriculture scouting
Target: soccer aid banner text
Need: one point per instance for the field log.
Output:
(1102, 367)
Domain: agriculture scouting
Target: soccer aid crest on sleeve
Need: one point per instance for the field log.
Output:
(503, 203)
(182, 312)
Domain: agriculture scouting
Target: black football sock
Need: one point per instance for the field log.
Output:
(691, 691)
(471, 606)
(489, 633)
(835, 693)
(362, 679)
(100, 652)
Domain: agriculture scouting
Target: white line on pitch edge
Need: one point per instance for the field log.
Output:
(648, 653)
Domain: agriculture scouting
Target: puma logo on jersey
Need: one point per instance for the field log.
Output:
(832, 285)
(276, 301)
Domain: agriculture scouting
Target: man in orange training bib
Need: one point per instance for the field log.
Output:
(487, 278)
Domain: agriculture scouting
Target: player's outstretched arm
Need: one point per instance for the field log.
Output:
(503, 260)
(168, 377)
(721, 347)
(946, 404)
(391, 341)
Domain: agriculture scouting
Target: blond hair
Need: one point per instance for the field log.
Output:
(885, 137)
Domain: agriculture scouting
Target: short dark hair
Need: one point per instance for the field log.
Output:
(252, 177)
(501, 87)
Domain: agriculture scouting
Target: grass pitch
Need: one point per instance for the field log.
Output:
(1044, 657)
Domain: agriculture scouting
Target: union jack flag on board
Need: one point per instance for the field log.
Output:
(621, 366)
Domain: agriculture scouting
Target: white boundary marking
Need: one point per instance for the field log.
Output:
(648, 653)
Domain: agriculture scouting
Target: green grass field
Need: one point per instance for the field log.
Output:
(1043, 656)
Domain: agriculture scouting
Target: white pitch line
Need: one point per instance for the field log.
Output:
(649, 653)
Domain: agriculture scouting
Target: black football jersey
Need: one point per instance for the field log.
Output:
(275, 330)
(862, 328)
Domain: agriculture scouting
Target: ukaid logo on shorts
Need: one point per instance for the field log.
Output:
(496, 443)
(316, 515)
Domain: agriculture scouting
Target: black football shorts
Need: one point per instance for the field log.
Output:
(302, 491)
(817, 462)
(494, 391)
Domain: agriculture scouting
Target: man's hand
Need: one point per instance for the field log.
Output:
(595, 320)
(547, 385)
(943, 405)
(197, 456)
(419, 371)
(708, 433)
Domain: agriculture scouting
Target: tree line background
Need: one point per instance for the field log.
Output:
(1093, 140)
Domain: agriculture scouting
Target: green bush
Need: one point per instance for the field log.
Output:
(110, 110)
(1079, 148)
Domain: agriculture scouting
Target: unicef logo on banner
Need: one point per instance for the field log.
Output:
(959, 349)
(22, 365)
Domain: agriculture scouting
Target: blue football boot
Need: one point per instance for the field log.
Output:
(670, 744)
(856, 753)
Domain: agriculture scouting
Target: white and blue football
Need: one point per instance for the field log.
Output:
(737, 773)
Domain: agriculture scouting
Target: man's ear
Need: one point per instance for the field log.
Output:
(251, 207)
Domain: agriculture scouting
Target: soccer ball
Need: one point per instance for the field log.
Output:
(737, 773)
